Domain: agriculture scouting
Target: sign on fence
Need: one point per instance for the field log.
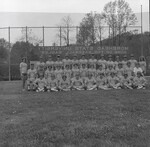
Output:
(84, 50)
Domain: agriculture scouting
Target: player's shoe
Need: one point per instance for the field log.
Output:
(140, 87)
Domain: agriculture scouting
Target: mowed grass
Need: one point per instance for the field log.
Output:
(115, 118)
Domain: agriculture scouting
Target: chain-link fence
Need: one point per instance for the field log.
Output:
(64, 36)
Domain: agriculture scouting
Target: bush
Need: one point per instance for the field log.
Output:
(14, 71)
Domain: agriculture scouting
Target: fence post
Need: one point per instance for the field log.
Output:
(141, 32)
(43, 36)
(149, 27)
(26, 44)
(76, 34)
(68, 31)
(44, 42)
(9, 53)
(26, 33)
(60, 36)
(109, 36)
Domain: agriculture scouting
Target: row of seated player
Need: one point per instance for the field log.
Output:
(75, 63)
(83, 80)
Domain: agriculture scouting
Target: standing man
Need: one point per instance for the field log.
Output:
(92, 61)
(74, 61)
(132, 61)
(142, 63)
(40, 67)
(102, 62)
(116, 62)
(110, 61)
(58, 62)
(23, 72)
(66, 61)
(124, 61)
(50, 62)
(83, 61)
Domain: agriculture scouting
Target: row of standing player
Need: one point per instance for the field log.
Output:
(91, 62)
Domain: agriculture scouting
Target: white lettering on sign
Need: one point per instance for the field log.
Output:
(84, 49)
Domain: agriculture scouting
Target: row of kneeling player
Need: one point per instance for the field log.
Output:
(87, 83)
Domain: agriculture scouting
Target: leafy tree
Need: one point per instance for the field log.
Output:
(87, 31)
(30, 36)
(3, 53)
(65, 29)
(3, 50)
(24, 49)
(118, 16)
(99, 24)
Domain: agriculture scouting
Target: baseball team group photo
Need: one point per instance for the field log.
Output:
(84, 74)
(74, 73)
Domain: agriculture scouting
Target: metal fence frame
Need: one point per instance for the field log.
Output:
(60, 38)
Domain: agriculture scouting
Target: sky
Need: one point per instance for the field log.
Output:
(64, 6)
(50, 12)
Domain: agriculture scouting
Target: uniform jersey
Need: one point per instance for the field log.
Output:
(48, 73)
(126, 80)
(143, 65)
(90, 82)
(75, 71)
(73, 62)
(40, 65)
(92, 71)
(120, 72)
(68, 73)
(110, 71)
(102, 62)
(83, 61)
(113, 80)
(101, 81)
(136, 70)
(49, 63)
(58, 74)
(98, 72)
(139, 81)
(129, 71)
(116, 64)
(64, 83)
(92, 62)
(83, 72)
(77, 82)
(58, 63)
(133, 62)
(23, 68)
(66, 62)
(32, 74)
(124, 64)
(53, 83)
(110, 63)
(41, 82)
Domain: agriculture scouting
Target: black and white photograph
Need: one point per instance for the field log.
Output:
(75, 73)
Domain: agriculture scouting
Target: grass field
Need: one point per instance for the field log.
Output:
(74, 119)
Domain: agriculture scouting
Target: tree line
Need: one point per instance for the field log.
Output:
(116, 17)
